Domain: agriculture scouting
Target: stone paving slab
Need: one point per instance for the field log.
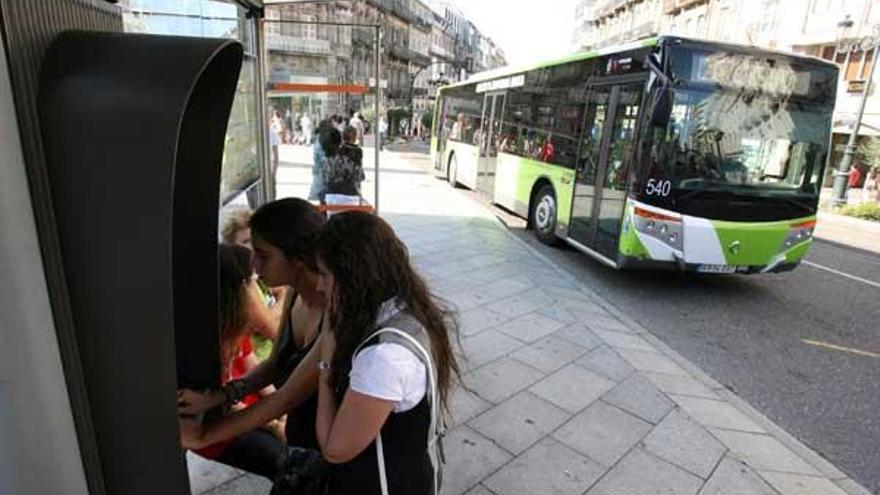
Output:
(519, 422)
(603, 432)
(566, 395)
(639, 397)
(641, 473)
(572, 388)
(548, 467)
(733, 477)
(549, 354)
(682, 441)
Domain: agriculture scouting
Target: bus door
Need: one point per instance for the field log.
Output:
(487, 141)
(603, 166)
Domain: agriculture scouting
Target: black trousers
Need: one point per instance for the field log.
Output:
(256, 451)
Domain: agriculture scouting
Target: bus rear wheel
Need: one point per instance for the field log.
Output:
(452, 171)
(544, 210)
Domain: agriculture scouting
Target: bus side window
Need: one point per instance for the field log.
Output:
(589, 155)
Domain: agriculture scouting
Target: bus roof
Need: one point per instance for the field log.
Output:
(648, 42)
(574, 57)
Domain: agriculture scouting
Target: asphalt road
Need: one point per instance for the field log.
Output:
(750, 332)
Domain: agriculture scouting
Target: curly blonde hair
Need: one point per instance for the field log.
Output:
(235, 222)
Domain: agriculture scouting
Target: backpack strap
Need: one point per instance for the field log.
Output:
(390, 334)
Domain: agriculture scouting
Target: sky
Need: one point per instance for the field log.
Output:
(526, 30)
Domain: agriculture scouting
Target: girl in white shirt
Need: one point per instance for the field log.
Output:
(366, 275)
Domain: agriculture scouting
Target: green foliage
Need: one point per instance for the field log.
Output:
(868, 211)
(869, 152)
(428, 120)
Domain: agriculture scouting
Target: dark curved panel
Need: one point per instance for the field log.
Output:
(133, 129)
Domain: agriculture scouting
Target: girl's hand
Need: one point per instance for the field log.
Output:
(192, 434)
(191, 402)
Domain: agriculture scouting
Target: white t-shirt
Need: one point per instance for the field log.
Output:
(390, 371)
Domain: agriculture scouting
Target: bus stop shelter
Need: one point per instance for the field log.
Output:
(301, 92)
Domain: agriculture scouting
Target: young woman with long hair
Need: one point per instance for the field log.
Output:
(255, 451)
(283, 234)
(379, 388)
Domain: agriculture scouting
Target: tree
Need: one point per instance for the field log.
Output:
(869, 152)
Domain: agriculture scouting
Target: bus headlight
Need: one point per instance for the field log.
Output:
(798, 233)
(665, 228)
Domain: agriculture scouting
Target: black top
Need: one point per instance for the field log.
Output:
(300, 427)
(344, 172)
(407, 463)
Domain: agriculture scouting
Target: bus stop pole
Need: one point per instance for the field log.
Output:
(267, 190)
(376, 134)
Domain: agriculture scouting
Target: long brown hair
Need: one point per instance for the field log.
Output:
(290, 224)
(235, 274)
(371, 266)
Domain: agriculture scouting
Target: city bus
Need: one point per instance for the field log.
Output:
(662, 153)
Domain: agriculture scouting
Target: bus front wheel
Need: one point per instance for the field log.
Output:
(544, 211)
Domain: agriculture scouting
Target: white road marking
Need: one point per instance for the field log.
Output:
(841, 348)
(844, 274)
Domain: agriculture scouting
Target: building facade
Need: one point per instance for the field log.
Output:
(423, 43)
(808, 27)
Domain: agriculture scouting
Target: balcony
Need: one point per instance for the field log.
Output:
(395, 7)
(363, 37)
(421, 59)
(674, 6)
(423, 23)
(440, 52)
(290, 44)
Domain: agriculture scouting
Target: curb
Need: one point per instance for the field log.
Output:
(858, 223)
(825, 467)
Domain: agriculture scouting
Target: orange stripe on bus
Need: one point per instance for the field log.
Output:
(657, 216)
(318, 88)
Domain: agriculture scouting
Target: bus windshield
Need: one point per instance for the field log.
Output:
(745, 124)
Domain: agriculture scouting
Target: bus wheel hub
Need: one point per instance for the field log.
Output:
(544, 213)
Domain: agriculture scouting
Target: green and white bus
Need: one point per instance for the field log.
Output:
(664, 153)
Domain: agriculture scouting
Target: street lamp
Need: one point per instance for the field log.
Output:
(847, 45)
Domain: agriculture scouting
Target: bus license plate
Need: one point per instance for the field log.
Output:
(716, 268)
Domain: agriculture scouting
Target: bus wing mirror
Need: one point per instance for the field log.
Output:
(661, 108)
(661, 105)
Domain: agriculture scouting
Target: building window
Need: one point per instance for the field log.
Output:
(854, 66)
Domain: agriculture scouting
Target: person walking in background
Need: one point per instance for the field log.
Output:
(339, 123)
(343, 167)
(358, 124)
(383, 132)
(871, 190)
(307, 129)
(318, 189)
(855, 177)
(276, 128)
(288, 127)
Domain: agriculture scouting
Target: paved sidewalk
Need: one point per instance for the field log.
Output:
(564, 394)
(849, 231)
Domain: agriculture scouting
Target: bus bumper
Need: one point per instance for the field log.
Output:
(639, 264)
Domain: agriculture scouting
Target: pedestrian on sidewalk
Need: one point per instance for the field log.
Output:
(387, 364)
(306, 124)
(383, 132)
(855, 177)
(319, 188)
(343, 167)
(358, 124)
(871, 190)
